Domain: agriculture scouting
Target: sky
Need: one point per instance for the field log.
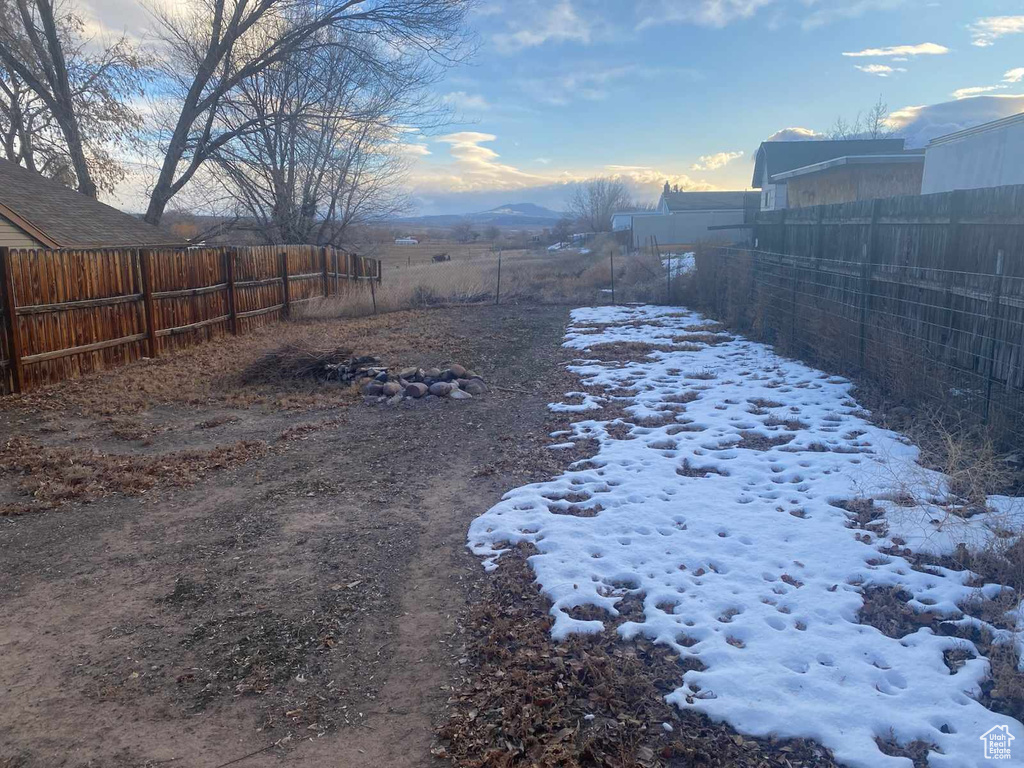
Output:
(685, 90)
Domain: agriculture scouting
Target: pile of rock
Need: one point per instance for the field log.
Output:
(454, 383)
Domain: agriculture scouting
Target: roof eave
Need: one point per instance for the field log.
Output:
(28, 227)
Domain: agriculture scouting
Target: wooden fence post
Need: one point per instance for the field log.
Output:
(11, 314)
(229, 271)
(991, 324)
(286, 289)
(867, 261)
(819, 235)
(145, 257)
(323, 259)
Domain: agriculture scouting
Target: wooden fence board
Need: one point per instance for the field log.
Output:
(76, 311)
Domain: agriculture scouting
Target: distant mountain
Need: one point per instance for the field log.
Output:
(512, 215)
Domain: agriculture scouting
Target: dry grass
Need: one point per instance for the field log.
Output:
(51, 477)
(593, 700)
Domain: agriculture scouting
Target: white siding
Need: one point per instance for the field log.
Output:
(991, 158)
(13, 237)
(686, 227)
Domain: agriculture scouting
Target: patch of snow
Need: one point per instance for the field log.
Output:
(741, 556)
(679, 264)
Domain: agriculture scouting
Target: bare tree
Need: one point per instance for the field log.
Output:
(594, 201)
(492, 233)
(318, 153)
(462, 232)
(875, 125)
(212, 48)
(65, 98)
(562, 230)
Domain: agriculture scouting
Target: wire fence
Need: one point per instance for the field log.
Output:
(955, 338)
(599, 274)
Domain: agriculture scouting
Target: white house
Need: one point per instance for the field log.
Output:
(685, 218)
(989, 155)
(779, 157)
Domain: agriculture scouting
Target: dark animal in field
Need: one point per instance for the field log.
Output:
(441, 257)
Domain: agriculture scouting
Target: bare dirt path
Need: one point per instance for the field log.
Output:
(309, 597)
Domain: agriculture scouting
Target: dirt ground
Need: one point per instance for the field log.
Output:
(201, 571)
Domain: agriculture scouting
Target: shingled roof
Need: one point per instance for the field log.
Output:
(782, 156)
(704, 201)
(59, 217)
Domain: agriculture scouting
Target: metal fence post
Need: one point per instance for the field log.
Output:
(991, 325)
(611, 258)
(11, 314)
(497, 293)
(146, 267)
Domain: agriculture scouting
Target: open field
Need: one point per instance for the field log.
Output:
(404, 255)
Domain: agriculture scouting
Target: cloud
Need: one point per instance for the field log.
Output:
(923, 49)
(796, 134)
(829, 11)
(1014, 75)
(881, 70)
(715, 161)
(592, 82)
(986, 31)
(463, 100)
(475, 178)
(560, 23)
(921, 124)
(977, 90)
(705, 13)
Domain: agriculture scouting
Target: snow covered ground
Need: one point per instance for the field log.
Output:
(722, 519)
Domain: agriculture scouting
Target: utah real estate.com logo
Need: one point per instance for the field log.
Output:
(997, 742)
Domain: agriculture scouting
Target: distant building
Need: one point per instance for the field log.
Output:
(989, 155)
(685, 218)
(775, 158)
(406, 241)
(853, 177)
(623, 220)
(36, 212)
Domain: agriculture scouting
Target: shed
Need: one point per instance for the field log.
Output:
(776, 157)
(853, 177)
(36, 212)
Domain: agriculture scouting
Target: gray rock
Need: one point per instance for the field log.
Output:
(407, 373)
(458, 394)
(391, 389)
(416, 389)
(459, 371)
(403, 382)
(382, 376)
(462, 383)
(432, 373)
(447, 375)
(475, 387)
(441, 388)
(373, 389)
(395, 399)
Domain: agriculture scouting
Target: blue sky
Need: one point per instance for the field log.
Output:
(565, 89)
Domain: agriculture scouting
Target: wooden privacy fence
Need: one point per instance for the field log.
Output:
(69, 312)
(925, 293)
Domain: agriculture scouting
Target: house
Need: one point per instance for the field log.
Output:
(36, 212)
(623, 220)
(684, 218)
(779, 157)
(853, 177)
(989, 155)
